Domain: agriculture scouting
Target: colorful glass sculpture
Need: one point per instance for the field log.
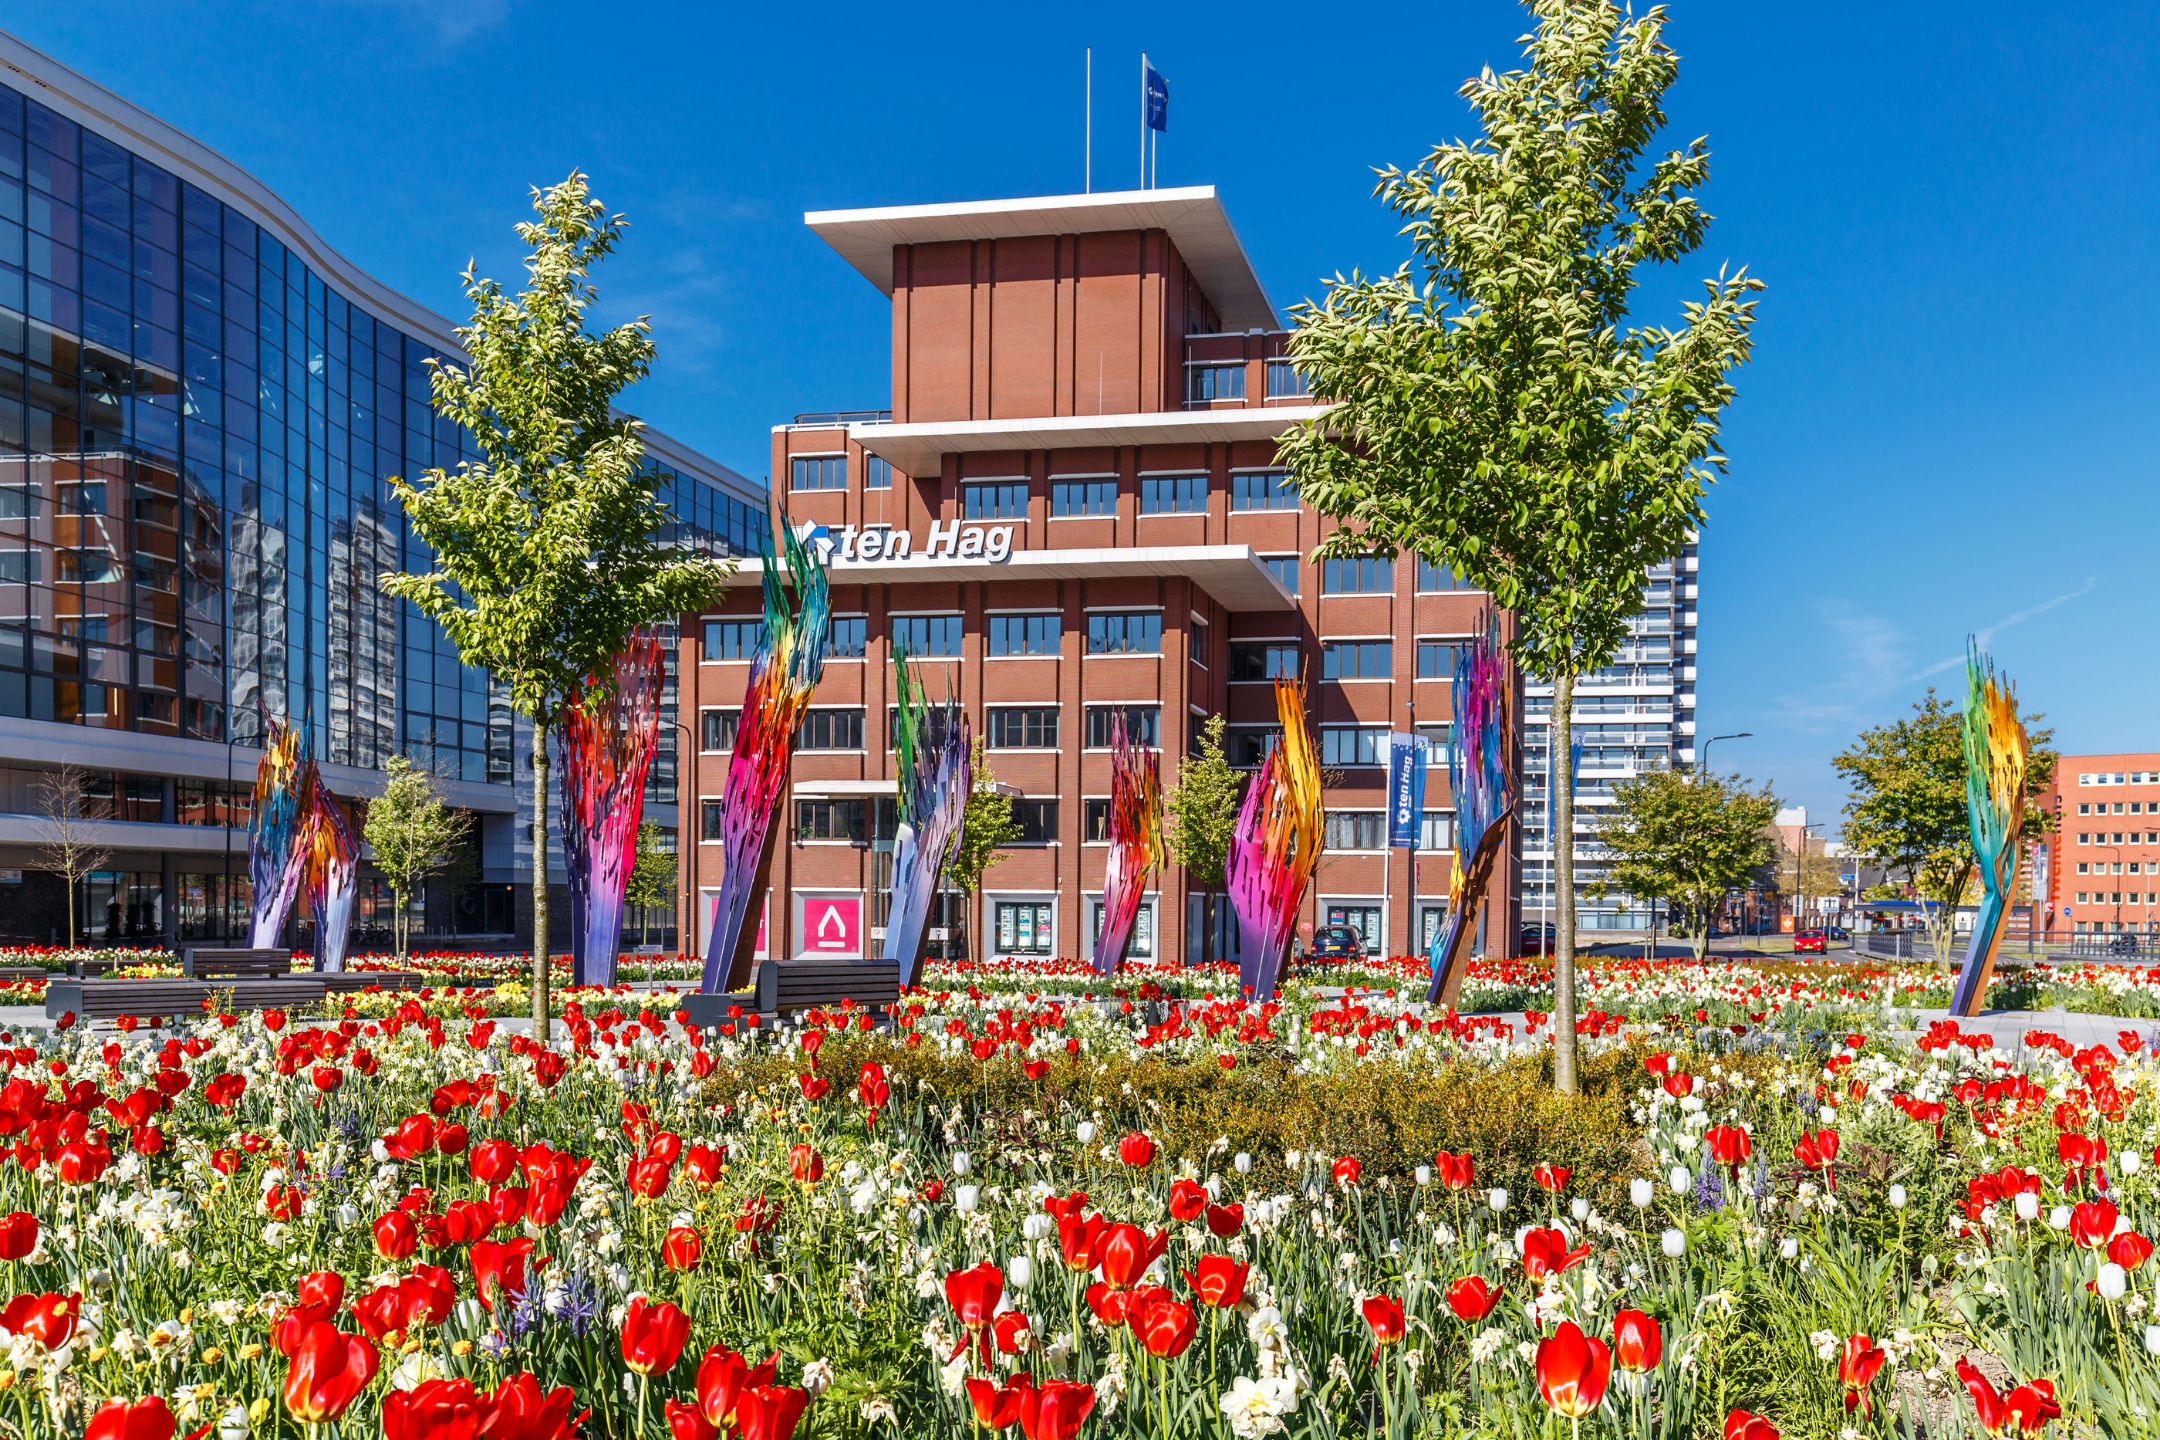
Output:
(607, 739)
(789, 660)
(1275, 847)
(1136, 841)
(1996, 754)
(330, 859)
(934, 763)
(284, 791)
(1482, 781)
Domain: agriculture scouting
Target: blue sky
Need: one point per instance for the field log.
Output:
(1948, 426)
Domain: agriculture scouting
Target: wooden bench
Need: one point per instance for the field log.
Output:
(17, 974)
(91, 1000)
(349, 982)
(788, 987)
(208, 964)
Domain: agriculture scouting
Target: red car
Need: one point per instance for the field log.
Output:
(1817, 941)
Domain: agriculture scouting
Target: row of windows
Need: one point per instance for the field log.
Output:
(1006, 727)
(2115, 867)
(851, 820)
(1226, 381)
(829, 472)
(2134, 777)
(2100, 837)
(2117, 897)
(2136, 808)
(1137, 632)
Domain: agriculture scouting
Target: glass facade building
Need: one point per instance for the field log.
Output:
(199, 402)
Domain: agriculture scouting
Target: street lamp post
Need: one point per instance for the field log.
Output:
(1704, 768)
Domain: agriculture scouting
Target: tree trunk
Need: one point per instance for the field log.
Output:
(67, 883)
(397, 923)
(540, 884)
(1563, 849)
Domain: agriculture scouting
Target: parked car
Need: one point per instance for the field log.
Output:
(1539, 939)
(1337, 942)
(1804, 941)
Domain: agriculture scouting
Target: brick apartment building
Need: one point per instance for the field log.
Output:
(2102, 867)
(1072, 509)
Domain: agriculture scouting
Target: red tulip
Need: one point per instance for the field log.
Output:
(1136, 1150)
(1457, 1172)
(1729, 1145)
(396, 1236)
(974, 1294)
(2092, 1223)
(1740, 1425)
(518, 1411)
(687, 1422)
(702, 1164)
(327, 1373)
(414, 1137)
(1545, 1252)
(1188, 1201)
(681, 1248)
(498, 1268)
(1385, 1315)
(653, 1336)
(1057, 1411)
(1552, 1177)
(649, 1178)
(1080, 1238)
(1126, 1251)
(1638, 1344)
(805, 1164)
(771, 1412)
(1347, 1169)
(722, 1377)
(1165, 1327)
(2024, 1410)
(431, 1410)
(1472, 1298)
(452, 1139)
(493, 1161)
(1217, 1281)
(49, 1319)
(1857, 1367)
(1573, 1370)
(2128, 1250)
(146, 1419)
(18, 1235)
(1223, 1221)
(999, 1407)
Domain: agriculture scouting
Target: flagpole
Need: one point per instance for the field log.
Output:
(1087, 143)
(1143, 119)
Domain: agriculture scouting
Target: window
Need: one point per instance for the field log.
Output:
(1137, 632)
(1353, 745)
(2084, 809)
(1356, 660)
(2084, 868)
(1247, 745)
(1285, 570)
(1263, 659)
(1435, 660)
(817, 472)
(1083, 497)
(1436, 830)
(718, 729)
(1357, 575)
(829, 819)
(1025, 634)
(1215, 382)
(933, 718)
(2084, 837)
(1022, 727)
(1432, 577)
(713, 810)
(927, 634)
(1263, 490)
(1037, 820)
(1141, 943)
(1365, 919)
(1355, 830)
(877, 473)
(1436, 746)
(830, 730)
(1024, 928)
(1285, 379)
(733, 639)
(1095, 820)
(850, 637)
(1005, 500)
(1173, 494)
(1142, 724)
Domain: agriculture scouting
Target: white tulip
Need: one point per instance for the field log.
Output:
(1498, 1199)
(1897, 1197)
(965, 1197)
(960, 1162)
(1020, 1271)
(1242, 1164)
(1674, 1243)
(2027, 1205)
(1789, 1248)
(2128, 1162)
(2152, 1339)
(1580, 1209)
(1641, 1192)
(2112, 1282)
(1681, 1180)
(2059, 1217)
(1423, 1173)
(233, 1424)
(1085, 1131)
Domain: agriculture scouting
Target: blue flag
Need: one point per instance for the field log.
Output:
(1155, 92)
(1407, 761)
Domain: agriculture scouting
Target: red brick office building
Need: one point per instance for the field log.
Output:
(2101, 868)
(1072, 508)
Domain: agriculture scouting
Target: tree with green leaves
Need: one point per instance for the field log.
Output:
(1493, 408)
(412, 832)
(1686, 840)
(545, 558)
(652, 877)
(1202, 814)
(986, 828)
(1906, 807)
